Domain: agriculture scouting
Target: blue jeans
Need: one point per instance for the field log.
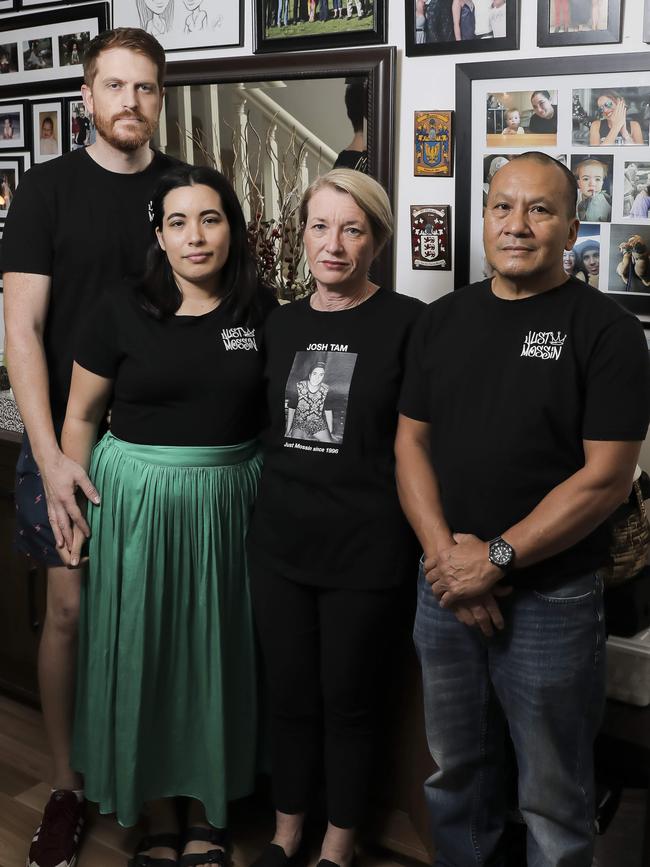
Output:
(542, 678)
(283, 13)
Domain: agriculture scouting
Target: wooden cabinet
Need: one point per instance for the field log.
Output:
(22, 591)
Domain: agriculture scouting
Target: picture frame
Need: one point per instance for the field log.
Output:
(646, 21)
(493, 28)
(433, 141)
(430, 238)
(558, 24)
(32, 4)
(47, 130)
(8, 5)
(14, 125)
(12, 167)
(31, 45)
(566, 75)
(183, 25)
(78, 125)
(367, 24)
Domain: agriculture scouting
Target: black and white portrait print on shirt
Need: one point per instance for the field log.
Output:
(316, 396)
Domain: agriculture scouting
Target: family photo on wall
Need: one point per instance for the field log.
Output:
(450, 26)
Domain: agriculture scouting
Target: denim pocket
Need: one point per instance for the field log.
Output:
(573, 591)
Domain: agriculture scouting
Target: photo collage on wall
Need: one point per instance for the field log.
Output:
(601, 133)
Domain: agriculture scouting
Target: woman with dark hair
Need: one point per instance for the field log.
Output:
(166, 697)
(612, 126)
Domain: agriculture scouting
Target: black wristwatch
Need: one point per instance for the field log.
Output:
(501, 553)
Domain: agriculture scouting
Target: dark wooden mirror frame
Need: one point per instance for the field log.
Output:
(378, 64)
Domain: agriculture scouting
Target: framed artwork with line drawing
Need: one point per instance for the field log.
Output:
(610, 176)
(181, 25)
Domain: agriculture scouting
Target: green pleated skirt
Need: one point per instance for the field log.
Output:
(166, 700)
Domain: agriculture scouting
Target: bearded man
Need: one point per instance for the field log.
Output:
(77, 224)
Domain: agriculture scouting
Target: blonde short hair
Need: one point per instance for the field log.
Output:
(368, 194)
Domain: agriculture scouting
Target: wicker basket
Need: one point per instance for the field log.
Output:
(630, 543)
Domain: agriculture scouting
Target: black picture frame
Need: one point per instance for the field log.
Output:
(263, 44)
(42, 25)
(611, 34)
(509, 42)
(466, 75)
(8, 6)
(20, 161)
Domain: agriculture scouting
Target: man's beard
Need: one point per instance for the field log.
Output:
(125, 141)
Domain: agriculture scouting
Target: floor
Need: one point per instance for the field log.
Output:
(24, 767)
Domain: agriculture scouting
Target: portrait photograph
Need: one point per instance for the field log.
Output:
(8, 58)
(460, 26)
(594, 176)
(629, 259)
(583, 261)
(72, 47)
(12, 125)
(9, 176)
(607, 117)
(316, 396)
(80, 129)
(636, 191)
(47, 131)
(432, 149)
(578, 22)
(521, 119)
(183, 24)
(37, 54)
(281, 25)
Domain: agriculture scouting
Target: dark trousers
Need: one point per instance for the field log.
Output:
(323, 651)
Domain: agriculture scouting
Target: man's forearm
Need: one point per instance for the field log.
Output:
(29, 381)
(566, 515)
(419, 496)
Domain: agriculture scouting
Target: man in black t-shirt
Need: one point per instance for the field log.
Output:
(523, 408)
(60, 250)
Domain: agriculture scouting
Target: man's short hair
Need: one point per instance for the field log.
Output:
(131, 38)
(571, 183)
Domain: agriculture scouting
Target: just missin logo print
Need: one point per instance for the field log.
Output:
(239, 338)
(543, 344)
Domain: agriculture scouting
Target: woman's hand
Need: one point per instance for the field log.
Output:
(619, 116)
(72, 557)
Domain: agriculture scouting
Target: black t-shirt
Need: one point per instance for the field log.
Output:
(544, 125)
(86, 228)
(179, 381)
(511, 389)
(328, 513)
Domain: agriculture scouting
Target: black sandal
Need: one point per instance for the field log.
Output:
(219, 836)
(139, 859)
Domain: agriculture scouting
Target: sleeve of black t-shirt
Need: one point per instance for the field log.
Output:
(413, 401)
(617, 398)
(97, 348)
(27, 242)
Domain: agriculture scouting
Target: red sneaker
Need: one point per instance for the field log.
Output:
(56, 840)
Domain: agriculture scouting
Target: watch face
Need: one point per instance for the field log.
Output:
(500, 553)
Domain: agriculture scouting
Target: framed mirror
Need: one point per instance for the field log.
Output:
(273, 123)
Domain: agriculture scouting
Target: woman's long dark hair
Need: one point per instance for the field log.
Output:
(239, 289)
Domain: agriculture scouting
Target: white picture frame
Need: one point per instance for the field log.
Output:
(48, 132)
(185, 24)
(13, 132)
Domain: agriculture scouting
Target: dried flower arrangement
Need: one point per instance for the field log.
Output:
(276, 241)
